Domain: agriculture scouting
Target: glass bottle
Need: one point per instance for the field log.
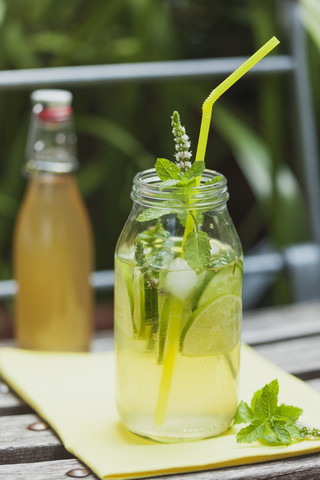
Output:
(177, 327)
(53, 245)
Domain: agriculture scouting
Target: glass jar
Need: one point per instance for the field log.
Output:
(178, 285)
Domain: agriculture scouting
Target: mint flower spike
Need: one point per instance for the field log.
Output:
(182, 142)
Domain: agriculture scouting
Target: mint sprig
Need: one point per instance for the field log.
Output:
(270, 423)
(144, 266)
(183, 174)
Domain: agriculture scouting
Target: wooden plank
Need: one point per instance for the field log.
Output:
(10, 404)
(18, 444)
(280, 323)
(297, 468)
(55, 470)
(298, 356)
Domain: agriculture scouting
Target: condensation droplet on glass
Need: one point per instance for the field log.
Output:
(60, 138)
(38, 146)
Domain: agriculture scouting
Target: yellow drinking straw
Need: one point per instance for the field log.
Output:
(220, 89)
(173, 330)
(207, 110)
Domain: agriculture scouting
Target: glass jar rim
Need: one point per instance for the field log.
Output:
(146, 191)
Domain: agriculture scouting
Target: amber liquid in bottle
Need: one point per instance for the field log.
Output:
(53, 261)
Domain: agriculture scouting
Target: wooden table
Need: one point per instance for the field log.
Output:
(288, 336)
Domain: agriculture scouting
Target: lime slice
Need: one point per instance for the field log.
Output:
(213, 328)
(226, 280)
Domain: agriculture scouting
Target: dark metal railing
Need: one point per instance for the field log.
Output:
(130, 72)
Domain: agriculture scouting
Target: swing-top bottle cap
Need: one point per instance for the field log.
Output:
(52, 97)
(52, 105)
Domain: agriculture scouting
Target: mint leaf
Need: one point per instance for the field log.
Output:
(184, 182)
(251, 433)
(288, 411)
(244, 413)
(256, 406)
(213, 180)
(152, 214)
(293, 430)
(269, 398)
(167, 170)
(268, 436)
(195, 170)
(282, 433)
(168, 183)
(196, 250)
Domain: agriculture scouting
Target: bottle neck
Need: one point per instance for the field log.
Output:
(51, 145)
(146, 193)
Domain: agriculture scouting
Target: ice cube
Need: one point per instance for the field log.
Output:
(181, 279)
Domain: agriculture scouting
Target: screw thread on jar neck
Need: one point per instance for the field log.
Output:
(146, 192)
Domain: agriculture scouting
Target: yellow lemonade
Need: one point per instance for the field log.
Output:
(177, 343)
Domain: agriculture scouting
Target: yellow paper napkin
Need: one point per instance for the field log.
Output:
(74, 393)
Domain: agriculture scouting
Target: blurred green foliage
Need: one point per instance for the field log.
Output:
(122, 128)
